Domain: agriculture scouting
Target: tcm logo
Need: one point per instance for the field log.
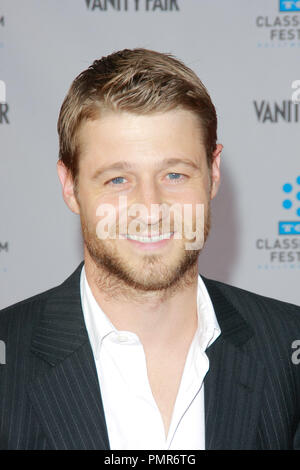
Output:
(289, 5)
(291, 203)
(289, 228)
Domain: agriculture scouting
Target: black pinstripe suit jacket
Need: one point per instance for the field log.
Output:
(49, 391)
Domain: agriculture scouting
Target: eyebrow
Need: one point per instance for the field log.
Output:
(124, 165)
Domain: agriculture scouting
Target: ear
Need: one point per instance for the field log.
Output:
(67, 183)
(215, 171)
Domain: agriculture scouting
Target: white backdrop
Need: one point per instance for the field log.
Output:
(247, 54)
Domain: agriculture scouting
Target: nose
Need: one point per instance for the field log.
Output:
(148, 208)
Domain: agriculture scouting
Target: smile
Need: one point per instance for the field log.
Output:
(154, 239)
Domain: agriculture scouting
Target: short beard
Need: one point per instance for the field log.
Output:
(114, 278)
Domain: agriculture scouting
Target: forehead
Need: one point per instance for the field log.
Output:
(141, 138)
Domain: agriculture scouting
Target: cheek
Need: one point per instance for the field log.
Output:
(89, 203)
(199, 194)
(199, 203)
(88, 214)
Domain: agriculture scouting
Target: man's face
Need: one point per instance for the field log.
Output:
(149, 160)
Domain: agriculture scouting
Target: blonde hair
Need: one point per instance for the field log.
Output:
(140, 81)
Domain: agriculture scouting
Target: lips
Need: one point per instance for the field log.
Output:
(149, 238)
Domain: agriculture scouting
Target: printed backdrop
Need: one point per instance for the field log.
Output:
(246, 53)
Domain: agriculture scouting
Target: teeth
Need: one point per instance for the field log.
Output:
(149, 239)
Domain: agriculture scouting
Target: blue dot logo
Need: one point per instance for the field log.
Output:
(287, 203)
(288, 189)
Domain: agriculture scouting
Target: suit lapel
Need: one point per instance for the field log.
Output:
(234, 384)
(67, 398)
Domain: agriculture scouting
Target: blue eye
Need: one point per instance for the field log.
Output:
(175, 176)
(117, 180)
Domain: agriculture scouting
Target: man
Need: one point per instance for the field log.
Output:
(135, 350)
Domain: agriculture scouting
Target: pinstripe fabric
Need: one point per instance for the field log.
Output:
(68, 404)
(253, 399)
(50, 396)
(49, 391)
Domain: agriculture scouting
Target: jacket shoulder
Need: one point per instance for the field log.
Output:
(20, 318)
(27, 311)
(256, 306)
(25, 303)
(41, 297)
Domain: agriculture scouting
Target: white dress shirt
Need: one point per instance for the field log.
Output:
(133, 419)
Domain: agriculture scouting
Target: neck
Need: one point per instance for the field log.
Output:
(158, 318)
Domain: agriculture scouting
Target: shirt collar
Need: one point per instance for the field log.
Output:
(98, 324)
(208, 327)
